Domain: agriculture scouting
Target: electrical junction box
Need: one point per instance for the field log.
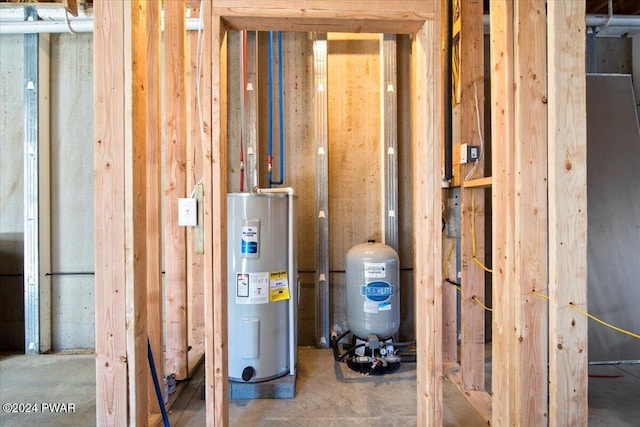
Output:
(469, 153)
(187, 212)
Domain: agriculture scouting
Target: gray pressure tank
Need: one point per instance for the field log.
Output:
(373, 290)
(258, 286)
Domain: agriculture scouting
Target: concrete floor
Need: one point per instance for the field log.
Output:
(327, 394)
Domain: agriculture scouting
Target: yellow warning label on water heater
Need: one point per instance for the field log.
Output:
(278, 286)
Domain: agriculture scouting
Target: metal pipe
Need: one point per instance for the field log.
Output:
(321, 139)
(448, 85)
(389, 137)
(85, 24)
(619, 22)
(78, 25)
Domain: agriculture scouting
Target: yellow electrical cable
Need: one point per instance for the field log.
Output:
(473, 234)
(447, 259)
(476, 299)
(591, 316)
(602, 322)
(540, 295)
(484, 267)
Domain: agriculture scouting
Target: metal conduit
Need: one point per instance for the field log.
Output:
(85, 24)
(321, 138)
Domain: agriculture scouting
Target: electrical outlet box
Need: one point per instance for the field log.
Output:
(469, 153)
(187, 212)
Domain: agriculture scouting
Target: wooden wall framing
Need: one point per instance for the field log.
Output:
(122, 202)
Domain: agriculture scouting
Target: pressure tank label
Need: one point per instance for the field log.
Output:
(376, 291)
(375, 270)
(278, 286)
(250, 238)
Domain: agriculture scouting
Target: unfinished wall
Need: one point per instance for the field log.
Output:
(355, 162)
(11, 194)
(72, 284)
(614, 216)
(71, 182)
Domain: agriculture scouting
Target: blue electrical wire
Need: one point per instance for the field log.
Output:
(156, 385)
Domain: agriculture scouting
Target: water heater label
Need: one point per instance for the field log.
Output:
(250, 238)
(252, 288)
(376, 291)
(242, 285)
(374, 270)
(278, 286)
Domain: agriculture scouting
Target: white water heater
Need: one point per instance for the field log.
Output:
(262, 285)
(373, 291)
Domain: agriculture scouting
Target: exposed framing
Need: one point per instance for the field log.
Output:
(121, 293)
(417, 17)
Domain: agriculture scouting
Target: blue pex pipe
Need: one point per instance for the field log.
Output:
(280, 109)
(270, 106)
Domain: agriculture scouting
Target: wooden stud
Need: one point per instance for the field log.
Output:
(530, 204)
(450, 249)
(136, 207)
(154, 196)
(195, 264)
(215, 173)
(503, 221)
(449, 301)
(109, 221)
(472, 202)
(175, 187)
(519, 213)
(480, 400)
(568, 362)
(121, 213)
(427, 145)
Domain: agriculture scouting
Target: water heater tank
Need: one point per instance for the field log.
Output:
(373, 290)
(261, 287)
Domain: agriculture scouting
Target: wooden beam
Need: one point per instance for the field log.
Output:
(480, 400)
(71, 6)
(109, 220)
(427, 140)
(136, 206)
(377, 16)
(478, 183)
(195, 261)
(503, 221)
(449, 301)
(121, 206)
(530, 203)
(449, 242)
(215, 256)
(175, 187)
(154, 196)
(519, 212)
(568, 361)
(472, 344)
